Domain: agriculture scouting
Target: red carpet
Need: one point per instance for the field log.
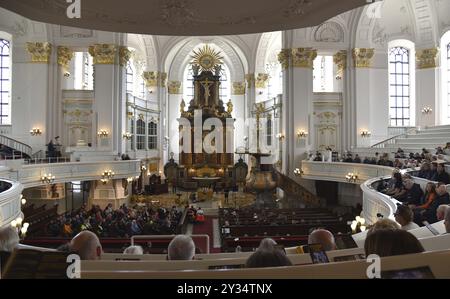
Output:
(206, 228)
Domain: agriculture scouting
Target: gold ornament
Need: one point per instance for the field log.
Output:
(340, 59)
(182, 106)
(250, 78)
(103, 53)
(151, 79)
(65, 55)
(363, 57)
(207, 58)
(40, 52)
(283, 57)
(162, 79)
(261, 80)
(427, 58)
(175, 87)
(229, 107)
(238, 88)
(303, 57)
(124, 55)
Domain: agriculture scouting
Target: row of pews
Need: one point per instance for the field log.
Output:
(289, 227)
(39, 218)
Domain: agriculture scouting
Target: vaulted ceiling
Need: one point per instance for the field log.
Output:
(185, 17)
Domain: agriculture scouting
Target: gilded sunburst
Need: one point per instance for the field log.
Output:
(207, 58)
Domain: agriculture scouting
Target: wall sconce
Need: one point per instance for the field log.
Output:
(36, 132)
(358, 223)
(21, 227)
(48, 178)
(23, 200)
(143, 168)
(365, 133)
(352, 177)
(130, 179)
(280, 136)
(298, 172)
(127, 136)
(427, 110)
(103, 133)
(302, 134)
(106, 176)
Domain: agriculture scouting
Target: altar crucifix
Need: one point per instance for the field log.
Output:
(206, 84)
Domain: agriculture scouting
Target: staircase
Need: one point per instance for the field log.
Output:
(415, 140)
(13, 149)
(296, 191)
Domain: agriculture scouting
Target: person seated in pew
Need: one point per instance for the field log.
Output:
(267, 258)
(443, 198)
(86, 244)
(134, 250)
(440, 212)
(428, 198)
(383, 224)
(395, 185)
(405, 216)
(267, 244)
(9, 239)
(411, 193)
(441, 175)
(388, 242)
(181, 248)
(447, 221)
(323, 237)
(425, 171)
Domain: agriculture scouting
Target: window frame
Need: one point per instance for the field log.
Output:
(5, 81)
(400, 85)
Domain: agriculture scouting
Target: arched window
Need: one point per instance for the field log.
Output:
(323, 74)
(141, 86)
(152, 135)
(399, 87)
(5, 82)
(275, 85)
(140, 134)
(445, 58)
(130, 78)
(84, 71)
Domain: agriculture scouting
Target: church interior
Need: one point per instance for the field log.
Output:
(305, 139)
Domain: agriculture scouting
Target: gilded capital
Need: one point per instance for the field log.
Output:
(65, 55)
(124, 55)
(151, 79)
(427, 58)
(162, 78)
(340, 59)
(238, 88)
(261, 80)
(175, 87)
(303, 57)
(250, 78)
(103, 53)
(40, 52)
(283, 57)
(362, 57)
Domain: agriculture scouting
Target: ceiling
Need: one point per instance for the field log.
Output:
(185, 17)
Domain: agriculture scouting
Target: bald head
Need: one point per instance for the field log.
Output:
(87, 245)
(323, 237)
(182, 247)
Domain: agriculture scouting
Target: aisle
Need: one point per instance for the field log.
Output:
(211, 228)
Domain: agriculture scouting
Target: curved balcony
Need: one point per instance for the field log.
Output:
(10, 202)
(375, 204)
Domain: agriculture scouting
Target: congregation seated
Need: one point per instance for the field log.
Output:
(430, 214)
(428, 197)
(441, 175)
(135, 250)
(391, 242)
(405, 216)
(323, 237)
(9, 239)
(181, 248)
(425, 171)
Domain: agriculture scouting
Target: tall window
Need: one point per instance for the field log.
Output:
(132, 125)
(130, 78)
(5, 82)
(275, 86)
(399, 87)
(84, 71)
(140, 134)
(269, 132)
(323, 74)
(448, 81)
(152, 135)
(141, 85)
